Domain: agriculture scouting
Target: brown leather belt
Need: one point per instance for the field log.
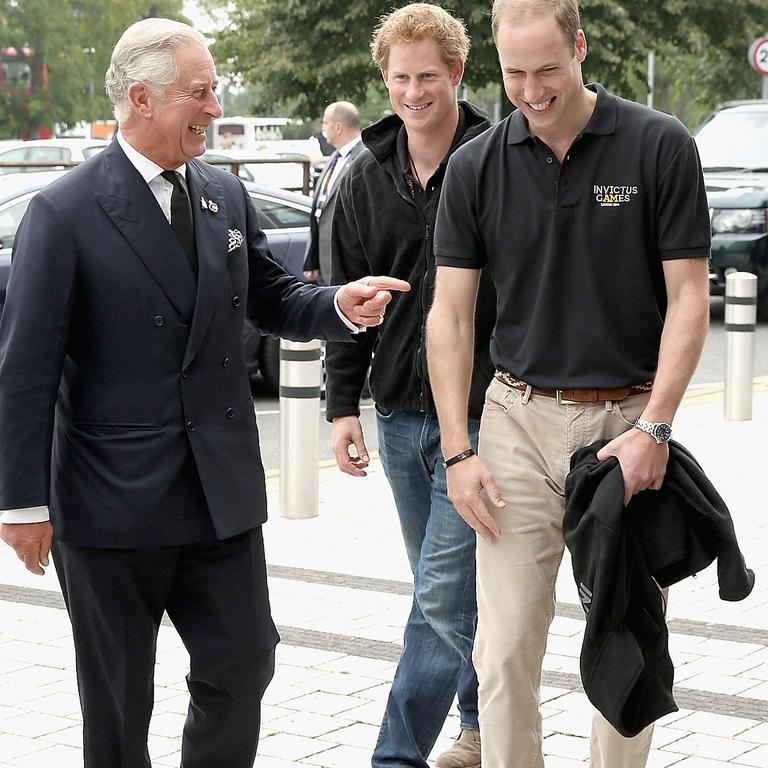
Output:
(575, 395)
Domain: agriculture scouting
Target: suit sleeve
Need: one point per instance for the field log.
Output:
(281, 304)
(34, 335)
(347, 364)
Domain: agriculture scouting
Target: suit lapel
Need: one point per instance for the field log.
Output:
(345, 163)
(209, 213)
(129, 202)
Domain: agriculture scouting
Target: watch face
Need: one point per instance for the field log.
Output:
(662, 432)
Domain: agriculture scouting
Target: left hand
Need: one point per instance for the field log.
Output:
(643, 462)
(364, 301)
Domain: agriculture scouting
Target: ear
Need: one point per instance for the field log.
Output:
(581, 46)
(457, 72)
(140, 99)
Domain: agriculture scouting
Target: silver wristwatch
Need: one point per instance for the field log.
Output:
(658, 430)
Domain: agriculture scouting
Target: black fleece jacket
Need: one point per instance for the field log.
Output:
(622, 556)
(378, 229)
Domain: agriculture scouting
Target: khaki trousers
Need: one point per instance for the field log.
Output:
(526, 442)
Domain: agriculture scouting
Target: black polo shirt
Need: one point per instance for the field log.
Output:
(576, 250)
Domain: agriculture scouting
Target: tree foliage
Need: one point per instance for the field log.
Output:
(307, 54)
(314, 53)
(700, 46)
(74, 40)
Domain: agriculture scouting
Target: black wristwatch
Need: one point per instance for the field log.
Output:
(658, 430)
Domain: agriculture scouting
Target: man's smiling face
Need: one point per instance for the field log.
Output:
(542, 73)
(422, 87)
(175, 130)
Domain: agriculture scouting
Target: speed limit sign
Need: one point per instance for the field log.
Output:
(758, 55)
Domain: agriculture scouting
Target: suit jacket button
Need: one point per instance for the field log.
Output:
(230, 414)
(235, 301)
(159, 321)
(191, 426)
(226, 361)
(185, 373)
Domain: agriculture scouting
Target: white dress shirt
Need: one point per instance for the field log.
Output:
(343, 152)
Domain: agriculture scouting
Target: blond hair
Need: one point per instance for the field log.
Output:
(419, 21)
(566, 13)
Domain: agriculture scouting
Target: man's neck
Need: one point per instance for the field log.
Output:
(560, 138)
(344, 140)
(428, 148)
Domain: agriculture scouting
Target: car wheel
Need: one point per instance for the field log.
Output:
(269, 364)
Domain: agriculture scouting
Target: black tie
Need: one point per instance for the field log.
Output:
(181, 218)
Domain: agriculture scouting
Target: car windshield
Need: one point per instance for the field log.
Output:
(10, 218)
(734, 141)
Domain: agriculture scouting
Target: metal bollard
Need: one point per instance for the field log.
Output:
(740, 321)
(300, 378)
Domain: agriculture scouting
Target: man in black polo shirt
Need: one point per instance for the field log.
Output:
(590, 213)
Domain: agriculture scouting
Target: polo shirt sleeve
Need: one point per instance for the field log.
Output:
(682, 215)
(457, 241)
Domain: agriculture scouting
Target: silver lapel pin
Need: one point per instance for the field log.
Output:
(213, 207)
(203, 204)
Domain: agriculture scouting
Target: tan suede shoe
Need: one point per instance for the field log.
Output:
(465, 752)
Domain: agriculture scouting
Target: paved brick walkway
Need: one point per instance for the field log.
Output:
(340, 594)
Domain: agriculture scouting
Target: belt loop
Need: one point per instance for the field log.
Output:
(609, 406)
(526, 395)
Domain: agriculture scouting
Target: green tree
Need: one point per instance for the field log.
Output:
(304, 55)
(310, 54)
(700, 48)
(72, 40)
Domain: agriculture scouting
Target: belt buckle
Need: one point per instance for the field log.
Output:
(560, 400)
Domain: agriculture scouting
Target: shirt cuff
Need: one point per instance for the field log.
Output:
(26, 515)
(352, 327)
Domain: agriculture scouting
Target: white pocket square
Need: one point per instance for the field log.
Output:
(235, 239)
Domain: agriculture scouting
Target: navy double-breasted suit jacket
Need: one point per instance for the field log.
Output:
(117, 364)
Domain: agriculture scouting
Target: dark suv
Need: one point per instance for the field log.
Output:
(733, 144)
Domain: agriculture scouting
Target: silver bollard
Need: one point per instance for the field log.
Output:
(740, 321)
(300, 378)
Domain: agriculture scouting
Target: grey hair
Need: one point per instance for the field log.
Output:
(145, 53)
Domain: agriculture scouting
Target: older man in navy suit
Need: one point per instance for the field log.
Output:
(127, 431)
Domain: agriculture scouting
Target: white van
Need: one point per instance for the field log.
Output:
(259, 134)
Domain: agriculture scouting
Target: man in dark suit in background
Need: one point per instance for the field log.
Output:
(341, 127)
(125, 412)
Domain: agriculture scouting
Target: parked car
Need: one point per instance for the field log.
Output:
(284, 217)
(53, 151)
(283, 170)
(733, 144)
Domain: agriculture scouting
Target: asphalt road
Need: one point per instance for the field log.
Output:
(711, 369)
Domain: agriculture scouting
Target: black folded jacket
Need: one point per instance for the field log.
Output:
(622, 557)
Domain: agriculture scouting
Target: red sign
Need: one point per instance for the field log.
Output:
(758, 55)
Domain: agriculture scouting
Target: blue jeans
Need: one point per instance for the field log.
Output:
(436, 662)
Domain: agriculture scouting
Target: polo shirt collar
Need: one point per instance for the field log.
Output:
(601, 123)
